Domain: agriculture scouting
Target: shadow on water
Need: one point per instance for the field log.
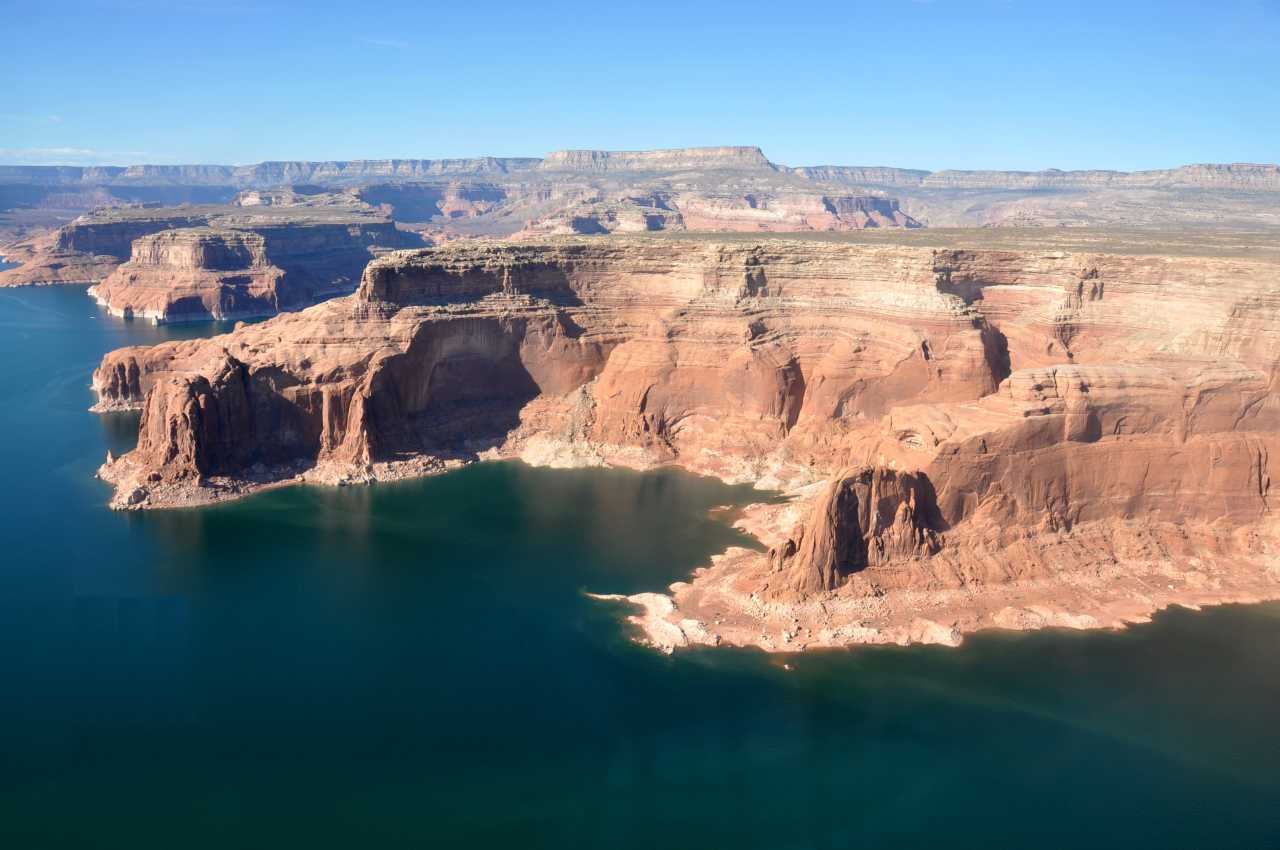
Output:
(552, 530)
(416, 665)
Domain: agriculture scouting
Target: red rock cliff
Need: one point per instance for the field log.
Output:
(984, 417)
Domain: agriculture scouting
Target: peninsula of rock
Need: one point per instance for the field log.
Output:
(974, 430)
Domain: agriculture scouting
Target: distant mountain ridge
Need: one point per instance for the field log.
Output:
(1238, 175)
(264, 174)
(1235, 176)
(674, 159)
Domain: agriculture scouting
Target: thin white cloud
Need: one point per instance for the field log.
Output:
(384, 42)
(72, 156)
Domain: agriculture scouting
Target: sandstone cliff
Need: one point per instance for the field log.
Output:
(89, 248)
(868, 517)
(182, 263)
(226, 273)
(1009, 437)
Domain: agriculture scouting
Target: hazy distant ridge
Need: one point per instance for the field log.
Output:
(1237, 176)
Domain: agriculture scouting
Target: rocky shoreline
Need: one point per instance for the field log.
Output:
(971, 438)
(721, 604)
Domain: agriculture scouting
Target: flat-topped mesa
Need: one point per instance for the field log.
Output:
(251, 267)
(857, 175)
(111, 235)
(672, 320)
(790, 212)
(89, 248)
(194, 274)
(990, 422)
(674, 159)
(714, 351)
(357, 172)
(299, 195)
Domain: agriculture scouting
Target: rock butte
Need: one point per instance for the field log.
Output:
(222, 262)
(972, 436)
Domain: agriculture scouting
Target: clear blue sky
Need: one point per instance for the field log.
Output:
(937, 84)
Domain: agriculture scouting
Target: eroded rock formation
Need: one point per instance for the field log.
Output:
(868, 517)
(180, 263)
(89, 248)
(498, 196)
(242, 269)
(750, 213)
(972, 436)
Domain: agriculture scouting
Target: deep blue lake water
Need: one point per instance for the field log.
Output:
(415, 665)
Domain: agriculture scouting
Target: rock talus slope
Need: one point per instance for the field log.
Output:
(972, 437)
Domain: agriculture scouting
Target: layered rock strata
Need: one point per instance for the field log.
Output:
(491, 196)
(791, 212)
(971, 437)
(249, 271)
(89, 248)
(182, 263)
(749, 213)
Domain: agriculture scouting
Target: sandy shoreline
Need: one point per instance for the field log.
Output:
(719, 604)
(926, 618)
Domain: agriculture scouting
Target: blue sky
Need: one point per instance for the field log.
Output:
(939, 84)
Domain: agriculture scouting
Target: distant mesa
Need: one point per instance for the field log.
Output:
(222, 262)
(500, 196)
(715, 158)
(79, 225)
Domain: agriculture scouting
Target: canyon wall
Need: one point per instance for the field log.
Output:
(183, 263)
(201, 273)
(952, 420)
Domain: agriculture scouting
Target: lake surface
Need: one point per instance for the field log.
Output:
(416, 665)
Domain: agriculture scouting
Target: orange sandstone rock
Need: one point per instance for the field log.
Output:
(1008, 438)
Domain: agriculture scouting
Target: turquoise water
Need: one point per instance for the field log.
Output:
(415, 665)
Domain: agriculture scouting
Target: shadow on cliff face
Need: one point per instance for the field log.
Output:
(120, 430)
(995, 346)
(927, 505)
(461, 385)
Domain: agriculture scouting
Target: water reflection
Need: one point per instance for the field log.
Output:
(120, 430)
(504, 523)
